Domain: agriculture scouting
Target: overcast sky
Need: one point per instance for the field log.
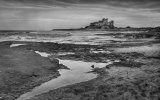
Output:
(51, 14)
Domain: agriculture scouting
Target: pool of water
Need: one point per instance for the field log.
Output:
(16, 45)
(76, 74)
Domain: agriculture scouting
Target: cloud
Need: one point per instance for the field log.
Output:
(152, 5)
(136, 4)
(32, 3)
(48, 14)
(119, 3)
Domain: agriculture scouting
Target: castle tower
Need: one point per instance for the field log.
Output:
(111, 24)
(106, 21)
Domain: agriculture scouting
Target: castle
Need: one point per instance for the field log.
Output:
(102, 24)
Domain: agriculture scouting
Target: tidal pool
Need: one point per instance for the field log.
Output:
(16, 45)
(76, 74)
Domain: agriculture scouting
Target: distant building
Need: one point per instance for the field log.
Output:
(102, 24)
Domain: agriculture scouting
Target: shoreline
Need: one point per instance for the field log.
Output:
(134, 69)
(131, 69)
(20, 73)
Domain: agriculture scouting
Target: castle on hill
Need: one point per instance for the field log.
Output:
(102, 24)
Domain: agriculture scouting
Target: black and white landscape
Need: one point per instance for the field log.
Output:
(79, 50)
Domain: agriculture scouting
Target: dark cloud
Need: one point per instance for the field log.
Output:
(47, 14)
(150, 4)
(127, 3)
(69, 1)
(136, 4)
(140, 3)
(33, 3)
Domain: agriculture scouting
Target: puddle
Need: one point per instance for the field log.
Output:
(107, 52)
(64, 53)
(76, 74)
(16, 45)
(99, 51)
(43, 54)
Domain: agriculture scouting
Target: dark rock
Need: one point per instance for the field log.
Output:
(61, 66)
(92, 66)
(107, 67)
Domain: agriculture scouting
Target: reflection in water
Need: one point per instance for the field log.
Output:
(16, 45)
(76, 74)
(43, 54)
